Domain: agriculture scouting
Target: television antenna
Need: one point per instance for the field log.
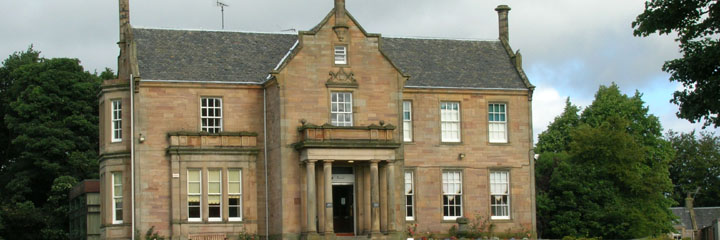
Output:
(222, 6)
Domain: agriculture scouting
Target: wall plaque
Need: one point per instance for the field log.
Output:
(328, 205)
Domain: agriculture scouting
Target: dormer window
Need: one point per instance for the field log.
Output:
(340, 55)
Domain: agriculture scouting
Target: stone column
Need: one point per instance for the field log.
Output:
(391, 195)
(311, 197)
(374, 198)
(327, 169)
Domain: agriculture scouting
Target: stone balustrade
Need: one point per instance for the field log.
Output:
(373, 136)
(203, 139)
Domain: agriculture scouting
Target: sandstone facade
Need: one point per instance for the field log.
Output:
(302, 175)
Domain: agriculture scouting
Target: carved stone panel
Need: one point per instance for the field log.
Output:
(341, 79)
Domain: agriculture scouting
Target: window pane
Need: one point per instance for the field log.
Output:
(194, 200)
(194, 175)
(214, 211)
(214, 175)
(214, 188)
(234, 212)
(234, 187)
(193, 187)
(118, 203)
(213, 200)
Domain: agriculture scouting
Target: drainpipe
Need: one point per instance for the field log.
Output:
(132, 154)
(267, 207)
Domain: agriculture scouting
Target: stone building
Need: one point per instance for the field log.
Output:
(84, 210)
(328, 132)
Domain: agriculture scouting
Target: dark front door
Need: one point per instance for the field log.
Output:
(343, 219)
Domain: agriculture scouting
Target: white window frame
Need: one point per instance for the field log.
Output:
(407, 121)
(235, 194)
(116, 120)
(340, 53)
(218, 194)
(450, 126)
(341, 106)
(210, 113)
(198, 194)
(497, 123)
(452, 188)
(499, 187)
(116, 197)
(409, 194)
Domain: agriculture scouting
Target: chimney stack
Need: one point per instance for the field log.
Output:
(503, 21)
(340, 28)
(340, 13)
(124, 18)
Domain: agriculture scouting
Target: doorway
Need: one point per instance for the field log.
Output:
(343, 189)
(343, 208)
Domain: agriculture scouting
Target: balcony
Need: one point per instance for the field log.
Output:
(329, 136)
(212, 143)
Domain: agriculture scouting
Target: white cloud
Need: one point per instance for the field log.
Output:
(547, 104)
(569, 47)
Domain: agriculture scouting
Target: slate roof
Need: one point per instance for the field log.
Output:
(703, 216)
(209, 55)
(249, 57)
(453, 63)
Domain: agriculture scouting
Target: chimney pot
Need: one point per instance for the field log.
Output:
(503, 22)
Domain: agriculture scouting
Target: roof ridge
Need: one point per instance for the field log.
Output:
(444, 38)
(211, 30)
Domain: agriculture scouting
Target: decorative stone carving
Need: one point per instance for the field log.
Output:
(341, 79)
(340, 32)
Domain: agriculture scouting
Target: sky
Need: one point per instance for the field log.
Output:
(569, 47)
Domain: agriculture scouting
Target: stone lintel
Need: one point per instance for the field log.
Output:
(181, 150)
(345, 154)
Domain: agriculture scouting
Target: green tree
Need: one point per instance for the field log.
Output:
(556, 138)
(50, 118)
(696, 167)
(609, 176)
(697, 25)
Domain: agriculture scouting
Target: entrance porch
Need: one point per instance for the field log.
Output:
(349, 187)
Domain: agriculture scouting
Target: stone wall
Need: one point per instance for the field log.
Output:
(427, 156)
(163, 108)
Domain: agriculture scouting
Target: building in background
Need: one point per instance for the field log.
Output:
(697, 222)
(85, 210)
(329, 132)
